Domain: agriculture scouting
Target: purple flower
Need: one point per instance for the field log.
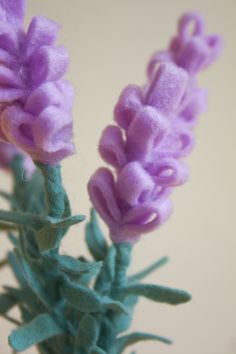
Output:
(35, 100)
(153, 133)
(7, 154)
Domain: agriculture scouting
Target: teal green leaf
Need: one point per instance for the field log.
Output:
(115, 306)
(158, 293)
(87, 335)
(35, 279)
(6, 303)
(135, 337)
(95, 239)
(156, 265)
(15, 267)
(81, 297)
(73, 266)
(38, 330)
(107, 273)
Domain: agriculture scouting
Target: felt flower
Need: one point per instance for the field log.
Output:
(153, 132)
(7, 154)
(35, 100)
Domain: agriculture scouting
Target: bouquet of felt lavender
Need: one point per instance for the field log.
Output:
(74, 305)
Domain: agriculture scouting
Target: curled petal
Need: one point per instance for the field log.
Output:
(140, 220)
(194, 55)
(112, 147)
(179, 143)
(48, 64)
(17, 127)
(167, 88)
(196, 106)
(7, 95)
(129, 102)
(41, 32)
(67, 92)
(215, 44)
(12, 11)
(52, 130)
(169, 172)
(185, 23)
(101, 189)
(134, 184)
(48, 94)
(145, 132)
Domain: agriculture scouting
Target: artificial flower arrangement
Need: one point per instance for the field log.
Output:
(75, 305)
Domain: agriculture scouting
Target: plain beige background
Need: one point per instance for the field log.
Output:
(110, 42)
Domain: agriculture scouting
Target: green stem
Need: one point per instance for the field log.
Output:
(122, 261)
(54, 192)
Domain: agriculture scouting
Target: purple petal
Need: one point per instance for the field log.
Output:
(134, 184)
(102, 193)
(41, 32)
(167, 88)
(145, 133)
(128, 104)
(112, 147)
(12, 11)
(48, 64)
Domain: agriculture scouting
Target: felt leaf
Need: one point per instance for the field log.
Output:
(87, 335)
(107, 273)
(34, 279)
(13, 239)
(73, 266)
(95, 239)
(6, 303)
(14, 264)
(156, 265)
(81, 297)
(6, 227)
(38, 330)
(50, 236)
(158, 293)
(135, 337)
(97, 350)
(115, 306)
(25, 296)
(23, 219)
(123, 321)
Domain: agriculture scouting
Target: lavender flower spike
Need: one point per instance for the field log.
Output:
(35, 100)
(152, 135)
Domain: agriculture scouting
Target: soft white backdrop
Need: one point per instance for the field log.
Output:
(110, 42)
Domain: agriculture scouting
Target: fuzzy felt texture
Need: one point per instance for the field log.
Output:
(35, 100)
(154, 132)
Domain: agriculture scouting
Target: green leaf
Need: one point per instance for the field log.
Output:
(87, 335)
(95, 239)
(35, 279)
(158, 293)
(81, 297)
(6, 303)
(115, 306)
(73, 266)
(38, 330)
(107, 273)
(135, 337)
(140, 275)
(15, 267)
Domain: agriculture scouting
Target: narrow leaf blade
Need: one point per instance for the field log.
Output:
(39, 329)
